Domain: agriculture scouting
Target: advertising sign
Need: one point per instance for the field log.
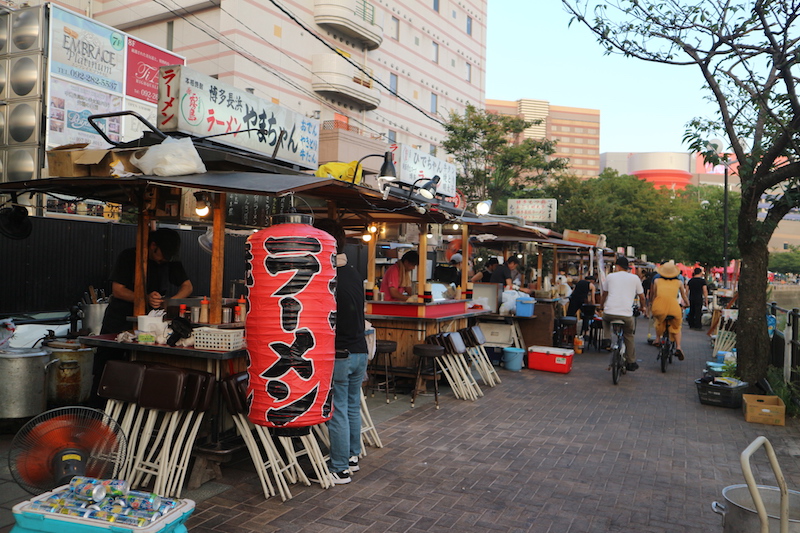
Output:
(85, 51)
(534, 209)
(143, 62)
(132, 127)
(69, 108)
(196, 104)
(415, 164)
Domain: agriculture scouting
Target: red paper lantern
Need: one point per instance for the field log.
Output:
(290, 324)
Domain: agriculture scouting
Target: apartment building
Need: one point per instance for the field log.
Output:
(374, 73)
(576, 130)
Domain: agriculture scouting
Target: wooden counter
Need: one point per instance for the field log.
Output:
(401, 322)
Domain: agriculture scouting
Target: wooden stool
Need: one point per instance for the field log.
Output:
(386, 349)
(428, 353)
(474, 339)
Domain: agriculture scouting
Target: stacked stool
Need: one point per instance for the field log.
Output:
(564, 335)
(474, 339)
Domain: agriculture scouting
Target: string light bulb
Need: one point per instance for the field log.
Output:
(201, 204)
(366, 237)
(372, 228)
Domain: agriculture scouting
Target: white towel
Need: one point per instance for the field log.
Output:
(372, 340)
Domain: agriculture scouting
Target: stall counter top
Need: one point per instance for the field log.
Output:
(467, 314)
(108, 340)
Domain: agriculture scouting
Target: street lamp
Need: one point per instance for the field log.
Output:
(715, 145)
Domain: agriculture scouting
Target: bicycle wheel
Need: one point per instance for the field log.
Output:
(671, 351)
(663, 354)
(617, 365)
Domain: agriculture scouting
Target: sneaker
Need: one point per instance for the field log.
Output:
(354, 464)
(679, 355)
(605, 344)
(631, 367)
(340, 478)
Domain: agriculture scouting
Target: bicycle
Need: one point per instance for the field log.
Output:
(667, 349)
(618, 364)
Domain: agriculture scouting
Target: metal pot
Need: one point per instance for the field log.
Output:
(739, 514)
(70, 382)
(93, 317)
(23, 391)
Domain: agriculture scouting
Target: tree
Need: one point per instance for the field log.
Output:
(699, 226)
(786, 262)
(747, 53)
(493, 161)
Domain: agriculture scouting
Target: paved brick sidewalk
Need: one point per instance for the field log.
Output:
(541, 452)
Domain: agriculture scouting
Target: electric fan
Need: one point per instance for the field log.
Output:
(59, 444)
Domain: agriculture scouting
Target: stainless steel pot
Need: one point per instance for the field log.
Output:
(70, 382)
(93, 317)
(23, 393)
(739, 514)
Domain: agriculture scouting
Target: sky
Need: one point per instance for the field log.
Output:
(532, 54)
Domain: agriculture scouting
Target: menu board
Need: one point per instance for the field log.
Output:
(416, 165)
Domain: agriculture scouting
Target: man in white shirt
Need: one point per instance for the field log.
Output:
(620, 291)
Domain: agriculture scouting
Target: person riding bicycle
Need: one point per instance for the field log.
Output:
(666, 291)
(620, 291)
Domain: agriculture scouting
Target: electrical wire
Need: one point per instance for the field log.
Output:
(353, 63)
(214, 34)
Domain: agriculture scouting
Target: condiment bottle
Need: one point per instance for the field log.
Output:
(237, 314)
(204, 310)
(182, 311)
(243, 311)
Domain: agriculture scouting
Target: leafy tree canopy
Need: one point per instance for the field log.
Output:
(493, 159)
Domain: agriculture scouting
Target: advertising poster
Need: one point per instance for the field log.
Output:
(132, 127)
(416, 164)
(143, 62)
(85, 51)
(193, 103)
(69, 108)
(534, 209)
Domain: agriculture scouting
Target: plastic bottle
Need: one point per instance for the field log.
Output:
(182, 311)
(237, 314)
(204, 310)
(242, 303)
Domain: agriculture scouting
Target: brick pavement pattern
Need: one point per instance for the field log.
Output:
(542, 452)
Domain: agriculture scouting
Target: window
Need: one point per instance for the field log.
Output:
(435, 52)
(436, 5)
(469, 25)
(432, 150)
(434, 102)
(394, 29)
(393, 83)
(391, 135)
(469, 72)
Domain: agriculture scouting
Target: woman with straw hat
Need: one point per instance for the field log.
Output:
(665, 293)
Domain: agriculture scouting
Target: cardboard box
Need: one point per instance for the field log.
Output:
(62, 161)
(550, 359)
(764, 409)
(75, 161)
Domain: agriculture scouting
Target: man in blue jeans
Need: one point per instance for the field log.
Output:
(351, 362)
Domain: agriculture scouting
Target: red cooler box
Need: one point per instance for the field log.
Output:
(550, 359)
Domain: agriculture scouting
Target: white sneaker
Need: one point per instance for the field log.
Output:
(354, 464)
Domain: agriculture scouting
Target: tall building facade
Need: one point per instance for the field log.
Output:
(374, 72)
(576, 130)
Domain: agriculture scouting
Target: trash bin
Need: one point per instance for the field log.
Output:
(512, 358)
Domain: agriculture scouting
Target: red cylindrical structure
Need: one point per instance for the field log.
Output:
(290, 325)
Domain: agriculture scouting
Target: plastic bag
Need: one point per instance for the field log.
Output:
(509, 306)
(173, 157)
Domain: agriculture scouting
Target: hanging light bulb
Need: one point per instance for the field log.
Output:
(366, 237)
(430, 232)
(456, 227)
(482, 208)
(372, 228)
(201, 204)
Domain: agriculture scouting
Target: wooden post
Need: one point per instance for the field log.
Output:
(465, 254)
(142, 255)
(555, 264)
(539, 264)
(217, 259)
(372, 247)
(422, 274)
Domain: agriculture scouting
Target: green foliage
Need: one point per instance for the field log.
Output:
(784, 390)
(494, 161)
(728, 369)
(785, 262)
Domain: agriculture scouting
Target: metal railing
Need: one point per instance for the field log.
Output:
(791, 318)
(365, 10)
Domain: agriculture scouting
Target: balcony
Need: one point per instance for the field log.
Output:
(355, 18)
(335, 76)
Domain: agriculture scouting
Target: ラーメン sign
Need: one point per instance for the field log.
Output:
(199, 105)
